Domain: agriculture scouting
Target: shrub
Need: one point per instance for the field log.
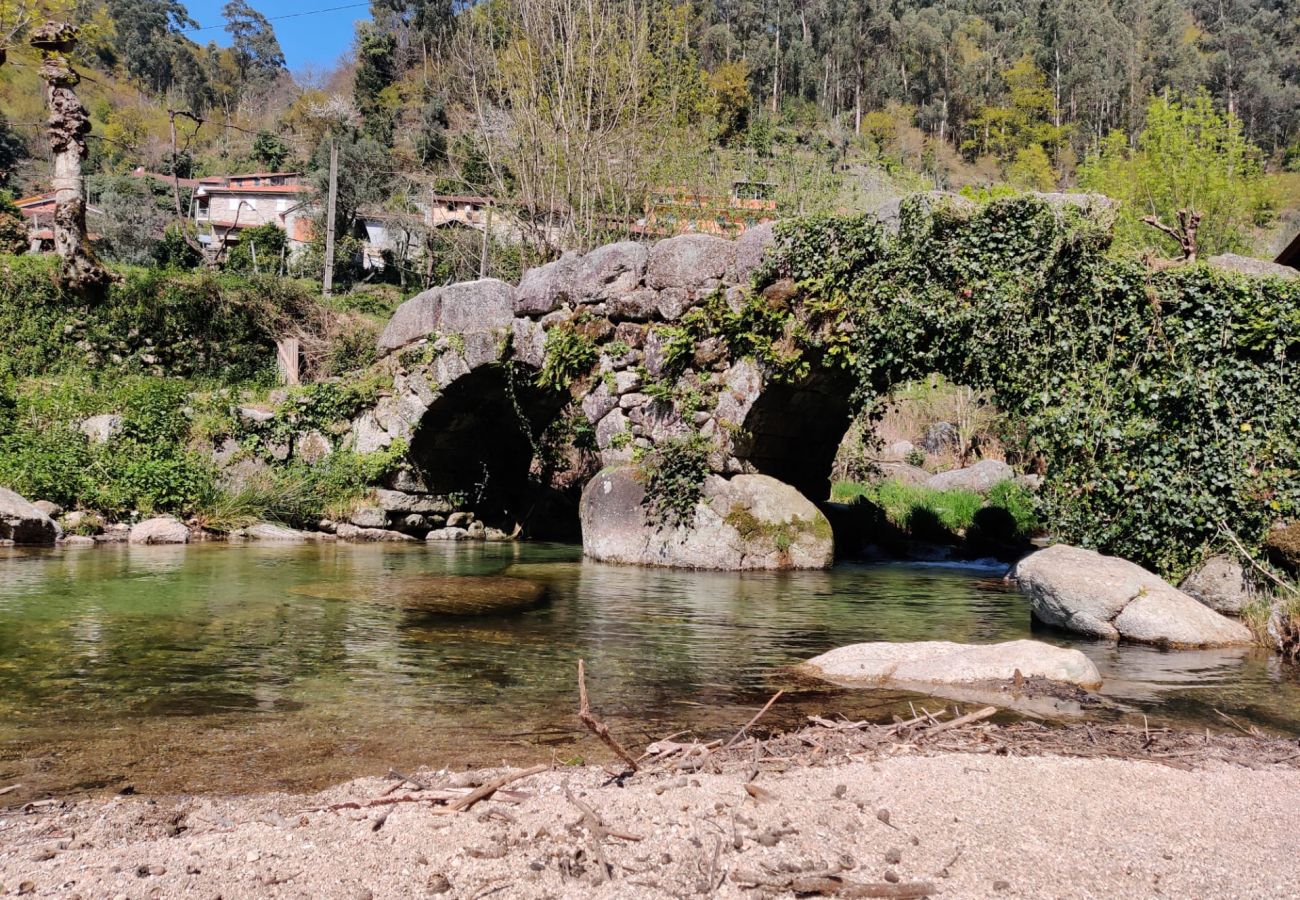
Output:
(674, 474)
(1161, 403)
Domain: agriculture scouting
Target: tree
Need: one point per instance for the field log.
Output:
(256, 49)
(1192, 171)
(79, 270)
(376, 73)
(133, 218)
(258, 249)
(1031, 170)
(269, 150)
(146, 40)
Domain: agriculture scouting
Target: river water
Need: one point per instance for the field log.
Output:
(233, 668)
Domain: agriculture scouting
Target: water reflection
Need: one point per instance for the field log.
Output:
(255, 657)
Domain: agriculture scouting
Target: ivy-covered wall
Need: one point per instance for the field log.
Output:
(1163, 404)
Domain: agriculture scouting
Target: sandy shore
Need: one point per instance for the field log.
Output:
(870, 820)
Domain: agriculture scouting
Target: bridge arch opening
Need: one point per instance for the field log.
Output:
(479, 443)
(793, 430)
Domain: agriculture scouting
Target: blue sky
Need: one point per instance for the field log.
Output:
(315, 39)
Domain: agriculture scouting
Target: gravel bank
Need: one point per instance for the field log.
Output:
(968, 824)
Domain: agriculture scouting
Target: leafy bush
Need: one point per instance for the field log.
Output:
(1162, 403)
(674, 474)
(147, 468)
(570, 354)
(164, 322)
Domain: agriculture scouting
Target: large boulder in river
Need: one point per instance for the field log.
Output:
(742, 522)
(926, 663)
(1107, 597)
(1221, 584)
(978, 478)
(23, 523)
(160, 530)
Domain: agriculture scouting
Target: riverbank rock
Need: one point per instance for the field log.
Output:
(1283, 546)
(742, 522)
(269, 531)
(1221, 584)
(356, 534)
(160, 530)
(23, 523)
(1107, 597)
(978, 478)
(909, 665)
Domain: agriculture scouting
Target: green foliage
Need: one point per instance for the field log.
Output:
(270, 151)
(674, 474)
(1189, 156)
(258, 249)
(1160, 403)
(151, 321)
(569, 354)
(147, 468)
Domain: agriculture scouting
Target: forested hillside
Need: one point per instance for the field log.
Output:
(571, 112)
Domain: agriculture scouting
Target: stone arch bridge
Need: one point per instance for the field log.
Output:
(547, 407)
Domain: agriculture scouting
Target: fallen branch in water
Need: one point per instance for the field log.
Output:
(594, 725)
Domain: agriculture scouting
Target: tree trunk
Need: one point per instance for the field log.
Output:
(80, 272)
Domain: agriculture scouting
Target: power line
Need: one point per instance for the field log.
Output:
(310, 12)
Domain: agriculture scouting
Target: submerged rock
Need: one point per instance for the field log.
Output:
(743, 522)
(160, 530)
(448, 595)
(911, 665)
(23, 522)
(1107, 597)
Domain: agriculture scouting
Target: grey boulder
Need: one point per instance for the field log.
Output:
(160, 530)
(469, 307)
(1107, 597)
(23, 522)
(1249, 265)
(741, 523)
(978, 478)
(923, 663)
(102, 428)
(689, 261)
(1220, 583)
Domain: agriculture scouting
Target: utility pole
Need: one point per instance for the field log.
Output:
(327, 277)
(487, 235)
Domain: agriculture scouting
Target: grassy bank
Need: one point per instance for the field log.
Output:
(172, 356)
(1007, 513)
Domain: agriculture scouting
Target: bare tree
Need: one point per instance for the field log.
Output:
(80, 271)
(573, 112)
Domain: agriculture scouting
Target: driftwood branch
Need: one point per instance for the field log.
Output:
(487, 790)
(595, 725)
(750, 724)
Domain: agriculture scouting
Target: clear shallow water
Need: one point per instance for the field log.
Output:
(229, 668)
